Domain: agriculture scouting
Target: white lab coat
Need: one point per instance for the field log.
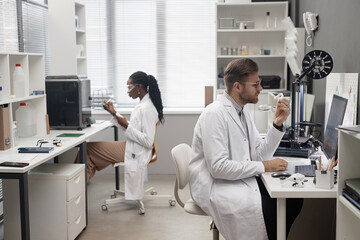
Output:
(223, 167)
(139, 135)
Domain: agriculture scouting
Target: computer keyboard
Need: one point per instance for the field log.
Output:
(306, 170)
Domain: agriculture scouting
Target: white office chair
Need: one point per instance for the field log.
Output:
(149, 194)
(181, 155)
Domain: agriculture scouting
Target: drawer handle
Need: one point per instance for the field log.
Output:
(77, 180)
(77, 200)
(78, 220)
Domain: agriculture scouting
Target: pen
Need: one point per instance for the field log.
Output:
(332, 163)
(329, 165)
(335, 163)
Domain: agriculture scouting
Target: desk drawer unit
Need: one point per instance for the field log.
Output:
(56, 203)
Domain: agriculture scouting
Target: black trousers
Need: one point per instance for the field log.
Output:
(293, 208)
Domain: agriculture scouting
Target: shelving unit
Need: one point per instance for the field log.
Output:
(67, 37)
(256, 39)
(33, 66)
(348, 216)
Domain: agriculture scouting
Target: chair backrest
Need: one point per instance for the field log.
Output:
(181, 155)
(155, 150)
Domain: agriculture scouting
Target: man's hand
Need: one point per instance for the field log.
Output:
(282, 111)
(277, 164)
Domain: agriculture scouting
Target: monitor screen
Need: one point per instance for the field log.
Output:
(336, 117)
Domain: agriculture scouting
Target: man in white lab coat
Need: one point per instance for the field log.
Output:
(228, 153)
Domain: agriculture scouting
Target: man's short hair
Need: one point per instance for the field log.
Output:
(237, 71)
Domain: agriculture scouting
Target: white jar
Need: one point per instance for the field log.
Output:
(19, 81)
(1, 93)
(26, 126)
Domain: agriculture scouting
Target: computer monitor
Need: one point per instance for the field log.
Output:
(336, 117)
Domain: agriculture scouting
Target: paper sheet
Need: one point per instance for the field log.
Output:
(28, 157)
(344, 85)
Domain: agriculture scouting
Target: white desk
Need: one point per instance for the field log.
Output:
(279, 189)
(39, 158)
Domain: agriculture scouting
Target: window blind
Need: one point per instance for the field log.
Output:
(8, 26)
(100, 68)
(172, 40)
(35, 29)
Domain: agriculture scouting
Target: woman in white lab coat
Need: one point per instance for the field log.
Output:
(139, 133)
(228, 153)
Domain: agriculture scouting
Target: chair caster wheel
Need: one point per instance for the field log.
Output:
(104, 207)
(172, 202)
(141, 211)
(153, 193)
(113, 196)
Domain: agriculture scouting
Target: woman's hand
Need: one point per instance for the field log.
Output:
(108, 106)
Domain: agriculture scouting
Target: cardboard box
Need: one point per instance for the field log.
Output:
(5, 142)
(209, 95)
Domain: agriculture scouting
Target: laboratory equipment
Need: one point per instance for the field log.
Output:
(316, 64)
(68, 102)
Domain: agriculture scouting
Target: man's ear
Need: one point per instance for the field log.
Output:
(237, 86)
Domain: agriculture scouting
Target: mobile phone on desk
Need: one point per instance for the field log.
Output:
(13, 164)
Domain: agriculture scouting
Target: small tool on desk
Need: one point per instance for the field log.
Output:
(40, 142)
(57, 142)
(297, 180)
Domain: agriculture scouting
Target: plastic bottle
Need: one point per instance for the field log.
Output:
(26, 126)
(19, 81)
(244, 50)
(1, 93)
(16, 136)
(267, 20)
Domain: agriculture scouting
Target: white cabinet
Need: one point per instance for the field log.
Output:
(67, 37)
(56, 203)
(348, 216)
(33, 66)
